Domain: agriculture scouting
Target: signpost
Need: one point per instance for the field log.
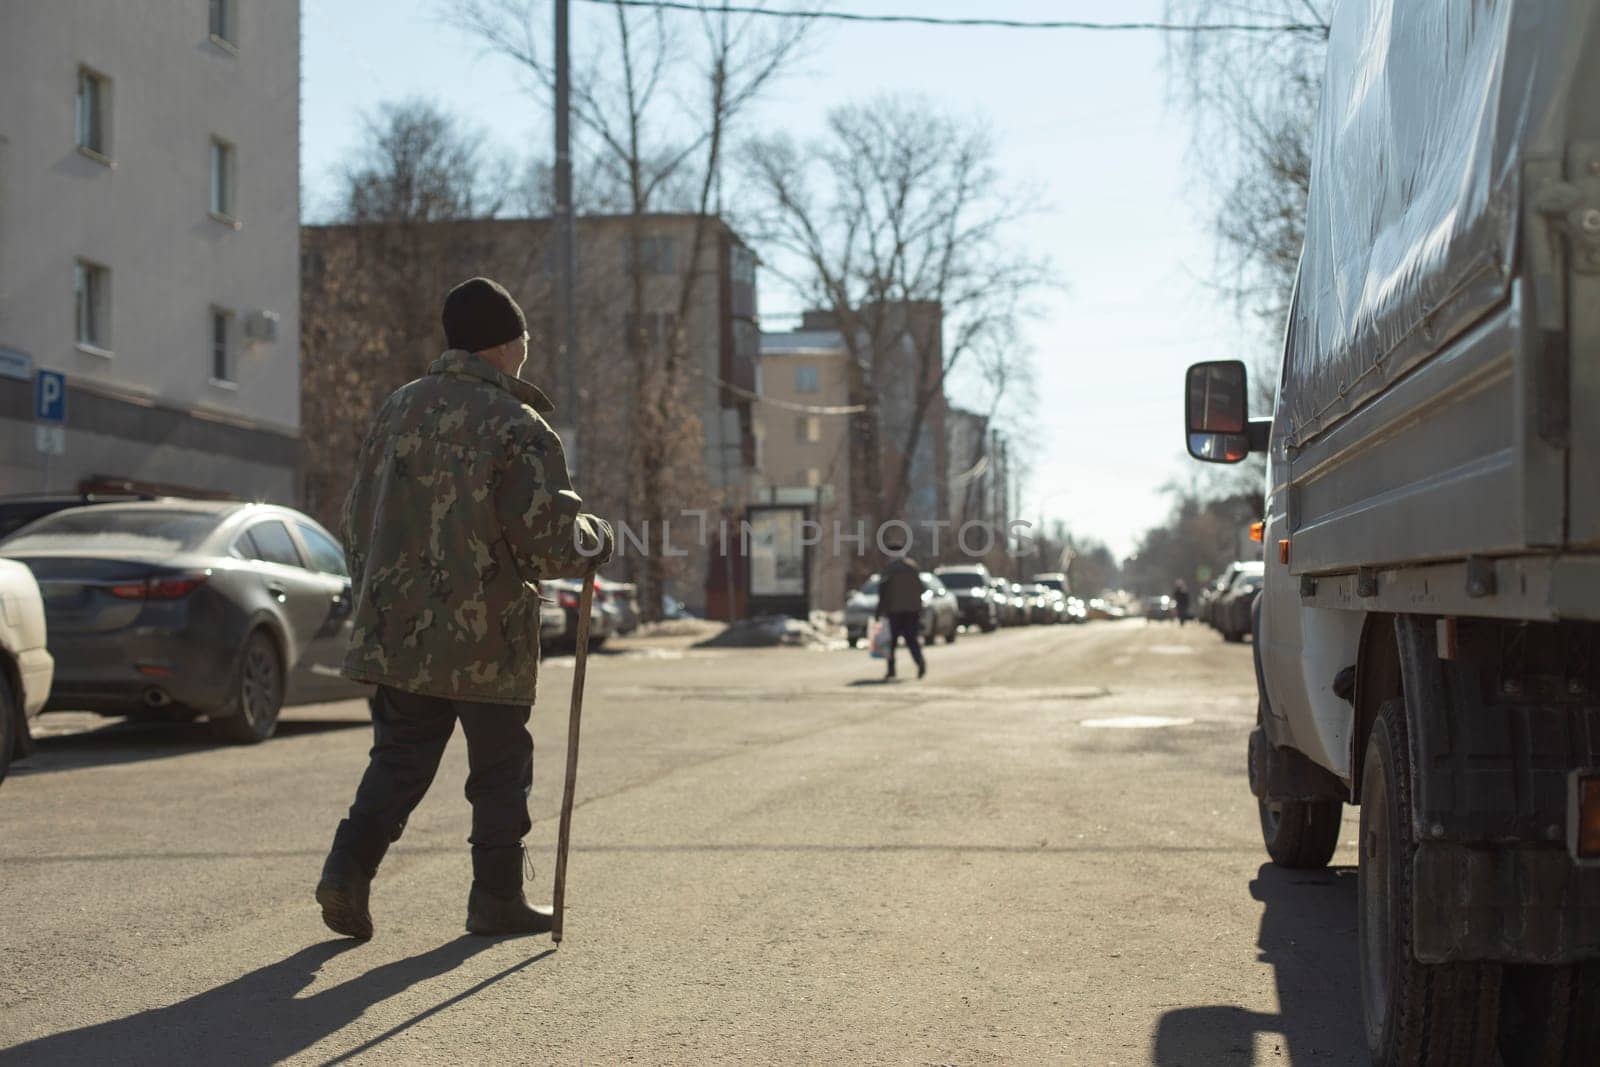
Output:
(49, 417)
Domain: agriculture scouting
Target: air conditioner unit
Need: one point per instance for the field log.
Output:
(261, 326)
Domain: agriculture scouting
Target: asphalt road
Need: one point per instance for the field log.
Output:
(776, 859)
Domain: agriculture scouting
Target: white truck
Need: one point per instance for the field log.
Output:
(1427, 643)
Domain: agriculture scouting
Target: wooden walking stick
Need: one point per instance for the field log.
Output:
(580, 664)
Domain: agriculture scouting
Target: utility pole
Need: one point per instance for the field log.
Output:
(566, 251)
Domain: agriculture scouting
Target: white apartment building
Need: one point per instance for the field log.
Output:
(149, 244)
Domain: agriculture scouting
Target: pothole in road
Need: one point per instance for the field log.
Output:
(1136, 722)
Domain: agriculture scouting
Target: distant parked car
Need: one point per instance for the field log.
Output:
(939, 611)
(942, 613)
(1077, 610)
(622, 599)
(552, 621)
(1232, 611)
(26, 667)
(1160, 608)
(1020, 609)
(974, 596)
(1211, 592)
(1053, 580)
(1039, 603)
(176, 609)
(1008, 611)
(568, 592)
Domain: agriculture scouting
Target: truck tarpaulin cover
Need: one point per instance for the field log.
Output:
(1429, 109)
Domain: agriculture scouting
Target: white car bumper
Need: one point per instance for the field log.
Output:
(37, 670)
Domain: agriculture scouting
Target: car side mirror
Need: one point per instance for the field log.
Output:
(1216, 413)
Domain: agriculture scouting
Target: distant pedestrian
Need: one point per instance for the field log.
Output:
(900, 602)
(1180, 600)
(461, 502)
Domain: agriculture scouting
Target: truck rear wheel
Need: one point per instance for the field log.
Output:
(1301, 834)
(1416, 1013)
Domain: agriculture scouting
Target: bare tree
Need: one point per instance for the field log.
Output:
(369, 300)
(896, 222)
(420, 164)
(1254, 100)
(656, 105)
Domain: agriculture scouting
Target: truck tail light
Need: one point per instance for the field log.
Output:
(1258, 530)
(1586, 817)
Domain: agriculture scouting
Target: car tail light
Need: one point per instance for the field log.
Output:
(567, 599)
(166, 587)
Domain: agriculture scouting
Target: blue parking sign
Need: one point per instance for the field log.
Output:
(50, 396)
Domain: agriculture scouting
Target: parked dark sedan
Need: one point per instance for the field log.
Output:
(1231, 613)
(176, 609)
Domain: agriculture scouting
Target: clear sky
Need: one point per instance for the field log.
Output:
(1087, 118)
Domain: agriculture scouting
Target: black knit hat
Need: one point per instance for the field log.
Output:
(480, 314)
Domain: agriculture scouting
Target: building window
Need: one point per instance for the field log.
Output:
(222, 346)
(92, 299)
(806, 380)
(813, 477)
(94, 113)
(223, 30)
(743, 268)
(222, 179)
(813, 428)
(651, 255)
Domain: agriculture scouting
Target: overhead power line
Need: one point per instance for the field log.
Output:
(997, 23)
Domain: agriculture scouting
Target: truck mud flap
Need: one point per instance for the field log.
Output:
(1497, 731)
(1509, 905)
(1284, 774)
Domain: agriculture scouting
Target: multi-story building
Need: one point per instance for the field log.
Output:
(802, 443)
(386, 279)
(149, 212)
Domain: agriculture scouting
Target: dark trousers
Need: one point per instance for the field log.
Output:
(905, 624)
(409, 736)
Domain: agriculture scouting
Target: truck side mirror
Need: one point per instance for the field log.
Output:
(1216, 411)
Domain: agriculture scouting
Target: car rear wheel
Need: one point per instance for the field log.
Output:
(1415, 1013)
(252, 714)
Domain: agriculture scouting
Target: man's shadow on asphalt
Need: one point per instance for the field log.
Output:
(1308, 935)
(258, 1018)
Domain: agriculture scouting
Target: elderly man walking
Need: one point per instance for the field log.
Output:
(900, 601)
(462, 502)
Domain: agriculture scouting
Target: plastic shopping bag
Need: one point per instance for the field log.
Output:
(878, 639)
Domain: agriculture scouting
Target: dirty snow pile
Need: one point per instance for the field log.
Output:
(771, 631)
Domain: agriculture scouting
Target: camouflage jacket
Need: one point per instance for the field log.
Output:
(461, 503)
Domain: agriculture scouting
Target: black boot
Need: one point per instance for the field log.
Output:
(496, 905)
(346, 881)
